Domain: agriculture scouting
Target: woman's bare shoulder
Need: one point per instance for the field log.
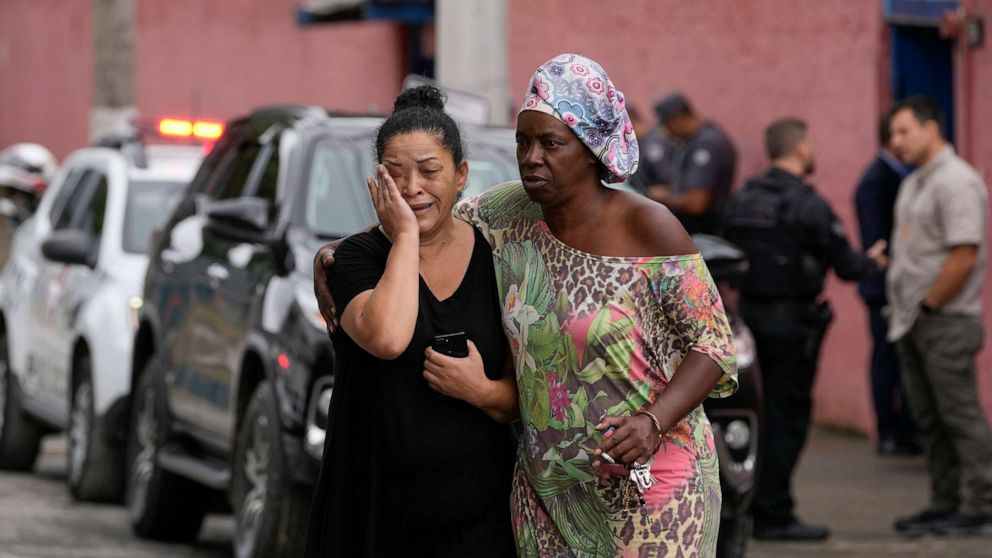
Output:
(658, 231)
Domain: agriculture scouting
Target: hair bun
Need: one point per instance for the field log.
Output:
(422, 96)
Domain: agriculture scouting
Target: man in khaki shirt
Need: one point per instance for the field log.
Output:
(934, 291)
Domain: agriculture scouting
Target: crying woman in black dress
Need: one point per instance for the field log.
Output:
(417, 460)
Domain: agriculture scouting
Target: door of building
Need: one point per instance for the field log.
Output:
(922, 60)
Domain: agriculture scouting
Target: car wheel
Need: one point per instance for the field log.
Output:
(735, 531)
(94, 467)
(20, 437)
(161, 505)
(270, 511)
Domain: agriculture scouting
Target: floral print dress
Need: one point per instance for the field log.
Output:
(594, 336)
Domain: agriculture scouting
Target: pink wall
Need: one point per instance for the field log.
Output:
(974, 69)
(46, 64)
(234, 56)
(219, 59)
(745, 64)
(974, 82)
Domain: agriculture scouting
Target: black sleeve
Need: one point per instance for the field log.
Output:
(826, 233)
(874, 207)
(702, 168)
(358, 265)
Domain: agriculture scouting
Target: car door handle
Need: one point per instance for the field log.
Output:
(217, 273)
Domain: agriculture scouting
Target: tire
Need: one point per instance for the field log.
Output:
(161, 505)
(270, 510)
(95, 469)
(735, 531)
(20, 437)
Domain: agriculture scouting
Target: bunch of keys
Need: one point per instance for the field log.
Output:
(639, 473)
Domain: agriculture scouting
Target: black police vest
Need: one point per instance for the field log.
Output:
(763, 221)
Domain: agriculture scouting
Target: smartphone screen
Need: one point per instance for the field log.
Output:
(451, 344)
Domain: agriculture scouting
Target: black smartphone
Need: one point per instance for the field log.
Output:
(451, 344)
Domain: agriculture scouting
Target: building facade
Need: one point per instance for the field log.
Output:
(835, 63)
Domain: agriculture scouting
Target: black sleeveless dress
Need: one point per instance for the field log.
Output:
(406, 471)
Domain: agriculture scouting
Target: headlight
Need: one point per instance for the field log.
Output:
(134, 305)
(737, 434)
(744, 346)
(308, 306)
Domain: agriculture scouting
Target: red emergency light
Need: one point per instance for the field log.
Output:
(200, 129)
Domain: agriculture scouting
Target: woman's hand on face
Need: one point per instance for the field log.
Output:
(460, 378)
(395, 216)
(634, 438)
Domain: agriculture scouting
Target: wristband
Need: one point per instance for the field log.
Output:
(655, 421)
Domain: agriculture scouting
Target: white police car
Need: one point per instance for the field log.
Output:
(69, 299)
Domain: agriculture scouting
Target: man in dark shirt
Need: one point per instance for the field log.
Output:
(791, 237)
(875, 200)
(702, 166)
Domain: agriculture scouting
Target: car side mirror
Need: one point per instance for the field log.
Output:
(70, 246)
(244, 219)
(726, 261)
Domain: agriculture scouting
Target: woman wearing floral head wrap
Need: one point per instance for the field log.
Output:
(617, 332)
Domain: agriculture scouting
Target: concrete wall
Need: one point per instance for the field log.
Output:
(744, 64)
(46, 73)
(219, 59)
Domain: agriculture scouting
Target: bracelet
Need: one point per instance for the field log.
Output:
(655, 421)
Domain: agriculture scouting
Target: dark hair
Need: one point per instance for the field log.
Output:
(925, 109)
(885, 128)
(671, 106)
(782, 136)
(421, 109)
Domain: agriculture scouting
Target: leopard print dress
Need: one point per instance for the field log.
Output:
(593, 336)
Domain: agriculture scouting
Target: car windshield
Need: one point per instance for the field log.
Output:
(149, 205)
(489, 165)
(337, 202)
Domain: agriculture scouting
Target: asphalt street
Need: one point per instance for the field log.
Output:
(38, 519)
(841, 483)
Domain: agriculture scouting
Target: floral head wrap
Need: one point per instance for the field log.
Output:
(577, 91)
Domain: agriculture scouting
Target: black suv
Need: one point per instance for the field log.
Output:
(232, 363)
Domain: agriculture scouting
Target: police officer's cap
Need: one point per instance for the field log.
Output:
(670, 106)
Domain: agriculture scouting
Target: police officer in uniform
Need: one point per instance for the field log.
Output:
(702, 166)
(791, 237)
